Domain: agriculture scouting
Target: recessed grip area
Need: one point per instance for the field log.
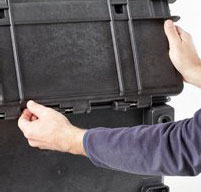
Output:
(119, 8)
(2, 14)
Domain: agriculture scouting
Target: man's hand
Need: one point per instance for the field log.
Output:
(183, 53)
(46, 128)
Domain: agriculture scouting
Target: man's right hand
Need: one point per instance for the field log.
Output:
(183, 53)
(46, 128)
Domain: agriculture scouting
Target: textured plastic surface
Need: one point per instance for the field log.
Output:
(71, 54)
(159, 114)
(24, 169)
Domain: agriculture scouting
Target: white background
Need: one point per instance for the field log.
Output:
(189, 101)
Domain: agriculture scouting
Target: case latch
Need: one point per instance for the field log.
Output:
(77, 107)
(124, 106)
(118, 105)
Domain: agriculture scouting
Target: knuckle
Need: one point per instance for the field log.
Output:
(20, 123)
(42, 147)
(46, 112)
(177, 47)
(175, 44)
(32, 144)
(188, 35)
(28, 134)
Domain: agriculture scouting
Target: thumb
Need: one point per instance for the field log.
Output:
(172, 34)
(36, 108)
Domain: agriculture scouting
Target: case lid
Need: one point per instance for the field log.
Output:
(78, 55)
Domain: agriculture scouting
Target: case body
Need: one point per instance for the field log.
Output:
(24, 169)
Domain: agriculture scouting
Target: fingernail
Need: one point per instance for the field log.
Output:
(169, 23)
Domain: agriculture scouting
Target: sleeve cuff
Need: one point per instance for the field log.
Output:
(85, 139)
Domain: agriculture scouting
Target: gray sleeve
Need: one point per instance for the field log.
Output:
(163, 149)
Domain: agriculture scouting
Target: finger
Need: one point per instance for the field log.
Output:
(24, 122)
(35, 108)
(172, 34)
(28, 127)
(33, 143)
(27, 114)
(43, 148)
(183, 34)
(38, 144)
(33, 118)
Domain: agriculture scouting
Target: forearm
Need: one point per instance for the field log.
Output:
(165, 149)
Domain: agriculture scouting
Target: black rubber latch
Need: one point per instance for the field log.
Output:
(3, 4)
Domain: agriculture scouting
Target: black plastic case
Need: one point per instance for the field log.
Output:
(25, 169)
(78, 55)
